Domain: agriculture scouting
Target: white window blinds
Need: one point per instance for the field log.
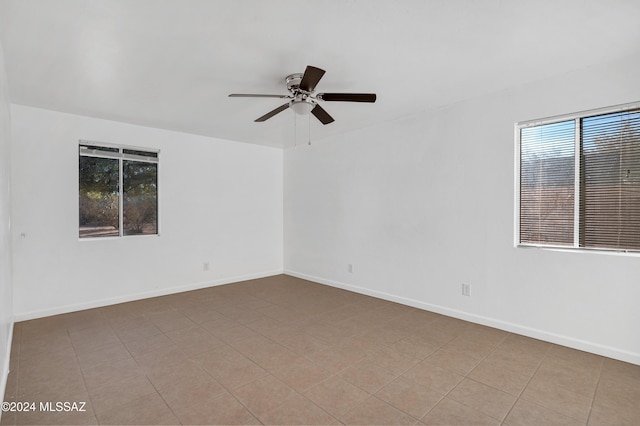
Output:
(579, 181)
(610, 196)
(547, 168)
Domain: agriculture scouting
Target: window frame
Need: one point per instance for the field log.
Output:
(577, 118)
(121, 156)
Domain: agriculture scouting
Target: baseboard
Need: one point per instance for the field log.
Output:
(4, 373)
(25, 316)
(546, 336)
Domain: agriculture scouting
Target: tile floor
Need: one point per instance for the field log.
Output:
(281, 350)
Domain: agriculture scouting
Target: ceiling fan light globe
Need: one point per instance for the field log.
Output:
(302, 107)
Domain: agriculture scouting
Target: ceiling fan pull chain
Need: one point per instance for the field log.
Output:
(295, 132)
(309, 133)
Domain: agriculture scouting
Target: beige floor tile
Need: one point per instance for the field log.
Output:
(519, 353)
(605, 415)
(212, 359)
(335, 359)
(49, 344)
(195, 390)
(106, 398)
(614, 369)
(103, 354)
(263, 395)
(457, 362)
(301, 374)
(363, 344)
(265, 352)
(324, 350)
(234, 334)
(58, 390)
(282, 314)
(173, 323)
(475, 344)
(433, 335)
(392, 359)
(194, 340)
(48, 381)
(219, 325)
(302, 344)
(433, 377)
(136, 333)
(547, 394)
(575, 377)
(341, 313)
(390, 334)
(415, 347)
(575, 357)
(126, 320)
(526, 413)
(143, 346)
(336, 396)
(325, 332)
(247, 317)
(161, 360)
(233, 372)
(9, 418)
(410, 397)
(502, 376)
(110, 373)
(87, 339)
(11, 388)
(449, 412)
(203, 315)
(267, 326)
(297, 410)
(375, 411)
(368, 376)
(148, 410)
(488, 400)
(620, 394)
(516, 343)
(166, 378)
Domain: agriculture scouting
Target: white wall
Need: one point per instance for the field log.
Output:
(6, 303)
(220, 202)
(421, 205)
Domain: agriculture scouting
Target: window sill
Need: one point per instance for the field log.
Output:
(611, 252)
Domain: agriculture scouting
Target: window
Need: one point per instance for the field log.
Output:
(579, 180)
(105, 210)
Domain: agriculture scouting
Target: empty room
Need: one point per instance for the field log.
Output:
(420, 212)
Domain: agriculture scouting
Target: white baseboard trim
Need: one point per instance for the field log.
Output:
(546, 336)
(4, 373)
(25, 316)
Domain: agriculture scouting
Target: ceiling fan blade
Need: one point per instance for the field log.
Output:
(347, 97)
(272, 113)
(322, 115)
(253, 95)
(310, 78)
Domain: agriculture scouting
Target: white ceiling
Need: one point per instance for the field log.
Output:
(171, 63)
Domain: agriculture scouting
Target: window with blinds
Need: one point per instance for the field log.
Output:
(579, 180)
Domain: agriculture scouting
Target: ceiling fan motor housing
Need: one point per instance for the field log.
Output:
(293, 82)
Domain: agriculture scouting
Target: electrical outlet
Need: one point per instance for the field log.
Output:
(350, 268)
(205, 266)
(466, 289)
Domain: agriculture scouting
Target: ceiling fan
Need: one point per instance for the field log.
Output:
(303, 99)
